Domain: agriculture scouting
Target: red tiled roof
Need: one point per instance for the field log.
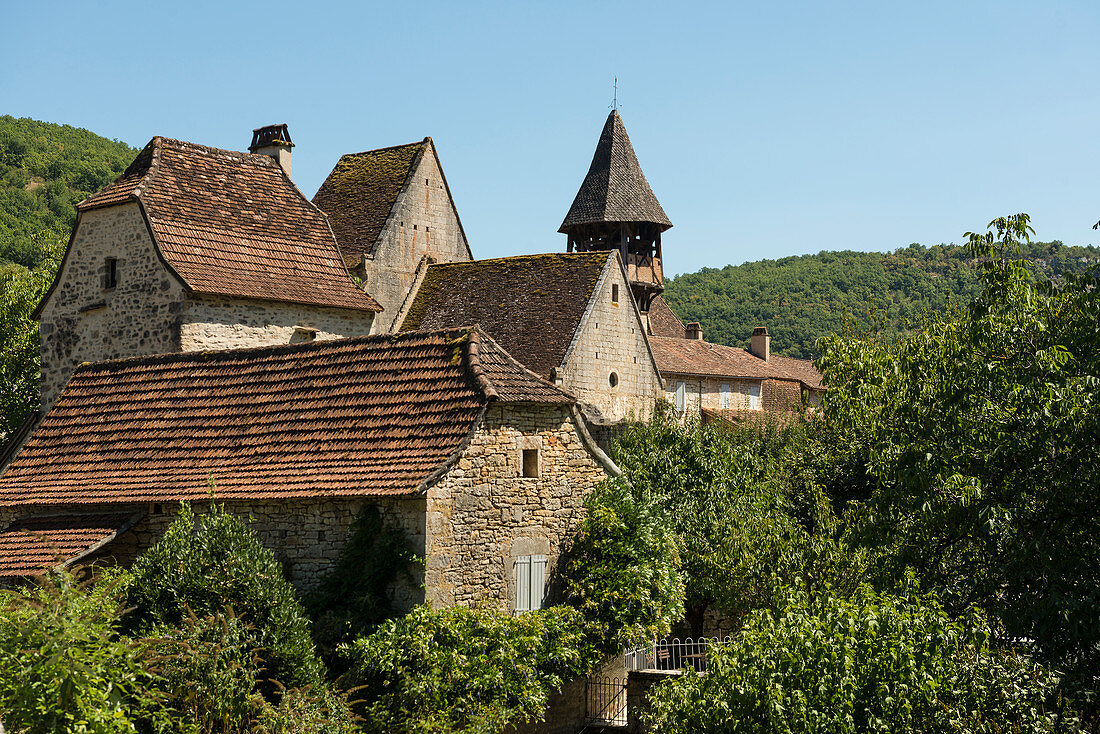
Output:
(531, 304)
(360, 192)
(803, 369)
(233, 224)
(697, 357)
(366, 416)
(32, 545)
(663, 321)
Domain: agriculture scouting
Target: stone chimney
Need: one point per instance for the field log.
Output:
(693, 331)
(760, 343)
(273, 140)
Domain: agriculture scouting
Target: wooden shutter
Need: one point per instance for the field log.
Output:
(725, 392)
(538, 581)
(523, 584)
(681, 394)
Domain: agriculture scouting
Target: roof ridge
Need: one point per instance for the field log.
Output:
(388, 147)
(594, 254)
(473, 363)
(519, 365)
(209, 354)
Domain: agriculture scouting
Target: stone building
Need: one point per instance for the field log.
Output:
(388, 224)
(196, 248)
(569, 317)
(479, 462)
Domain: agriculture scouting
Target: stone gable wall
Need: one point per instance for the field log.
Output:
(209, 322)
(422, 223)
(484, 514)
(612, 340)
(84, 322)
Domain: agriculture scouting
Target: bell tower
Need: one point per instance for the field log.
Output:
(616, 210)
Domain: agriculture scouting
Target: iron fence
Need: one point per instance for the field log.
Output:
(672, 654)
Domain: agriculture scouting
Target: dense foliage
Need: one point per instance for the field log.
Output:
(621, 570)
(46, 169)
(869, 663)
(212, 563)
(803, 298)
(20, 292)
(980, 432)
(466, 669)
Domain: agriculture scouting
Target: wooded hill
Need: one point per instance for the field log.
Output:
(803, 298)
(45, 169)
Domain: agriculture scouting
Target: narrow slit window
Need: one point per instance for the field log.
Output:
(615, 293)
(110, 272)
(530, 462)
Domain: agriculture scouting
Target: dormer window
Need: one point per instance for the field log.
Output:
(110, 273)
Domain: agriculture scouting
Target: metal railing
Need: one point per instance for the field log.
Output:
(605, 702)
(672, 654)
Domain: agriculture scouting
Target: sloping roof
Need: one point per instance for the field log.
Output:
(349, 417)
(697, 357)
(233, 224)
(32, 545)
(615, 189)
(663, 321)
(803, 369)
(531, 304)
(360, 193)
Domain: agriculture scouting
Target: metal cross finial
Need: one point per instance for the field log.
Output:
(615, 99)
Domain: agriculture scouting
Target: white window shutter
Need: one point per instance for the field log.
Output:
(754, 396)
(681, 394)
(538, 581)
(725, 392)
(523, 584)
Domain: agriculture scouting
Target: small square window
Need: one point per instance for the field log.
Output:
(530, 462)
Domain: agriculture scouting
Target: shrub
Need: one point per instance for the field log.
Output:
(207, 564)
(871, 663)
(620, 571)
(63, 665)
(465, 669)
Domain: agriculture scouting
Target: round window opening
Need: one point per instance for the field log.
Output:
(613, 380)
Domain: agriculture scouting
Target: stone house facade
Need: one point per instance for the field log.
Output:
(570, 318)
(195, 248)
(500, 484)
(392, 213)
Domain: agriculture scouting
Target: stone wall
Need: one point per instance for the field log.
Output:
(781, 396)
(423, 223)
(85, 321)
(307, 535)
(639, 684)
(209, 322)
(611, 347)
(484, 514)
(776, 396)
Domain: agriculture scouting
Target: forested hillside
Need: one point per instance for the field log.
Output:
(45, 169)
(803, 298)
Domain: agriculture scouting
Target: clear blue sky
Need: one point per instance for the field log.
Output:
(765, 129)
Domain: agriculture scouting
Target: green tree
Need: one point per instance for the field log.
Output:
(621, 569)
(980, 432)
(465, 669)
(204, 565)
(868, 663)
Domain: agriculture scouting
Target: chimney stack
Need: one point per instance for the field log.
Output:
(693, 331)
(273, 140)
(760, 343)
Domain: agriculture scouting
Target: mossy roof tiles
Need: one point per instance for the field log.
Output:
(233, 224)
(32, 545)
(663, 321)
(531, 305)
(360, 193)
(615, 189)
(350, 417)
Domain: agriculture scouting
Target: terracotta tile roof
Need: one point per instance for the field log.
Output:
(663, 321)
(615, 189)
(359, 195)
(697, 357)
(32, 545)
(366, 416)
(233, 224)
(531, 304)
(803, 369)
